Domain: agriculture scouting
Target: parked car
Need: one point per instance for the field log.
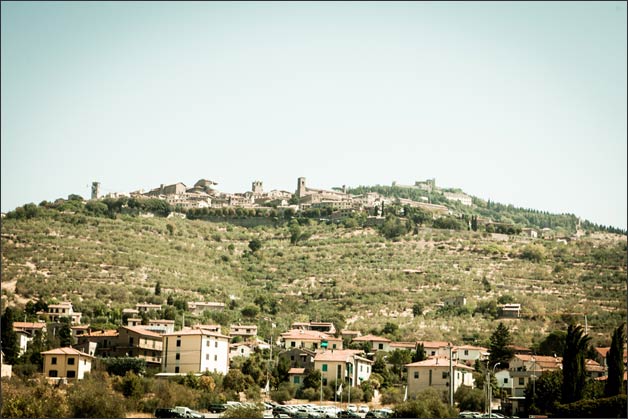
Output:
(348, 414)
(186, 412)
(352, 408)
(469, 414)
(217, 408)
(381, 413)
(363, 409)
(167, 413)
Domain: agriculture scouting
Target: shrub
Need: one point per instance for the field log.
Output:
(243, 412)
(93, 397)
(36, 400)
(610, 407)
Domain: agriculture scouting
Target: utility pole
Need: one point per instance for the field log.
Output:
(451, 377)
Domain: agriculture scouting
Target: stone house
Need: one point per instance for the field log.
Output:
(434, 372)
(67, 363)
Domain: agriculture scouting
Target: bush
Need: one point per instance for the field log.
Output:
(93, 397)
(243, 412)
(610, 407)
(35, 400)
(427, 404)
(280, 396)
(392, 395)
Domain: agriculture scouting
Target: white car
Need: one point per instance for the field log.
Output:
(352, 408)
(363, 409)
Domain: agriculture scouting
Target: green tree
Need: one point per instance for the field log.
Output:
(543, 394)
(499, 346)
(312, 380)
(615, 362)
(158, 288)
(170, 229)
(65, 332)
(250, 311)
(574, 373)
(419, 354)
(10, 345)
(553, 344)
(472, 399)
(398, 358)
(417, 309)
(255, 245)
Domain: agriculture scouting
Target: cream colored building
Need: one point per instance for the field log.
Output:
(377, 343)
(434, 372)
(343, 365)
(138, 342)
(66, 363)
(64, 309)
(196, 351)
(309, 339)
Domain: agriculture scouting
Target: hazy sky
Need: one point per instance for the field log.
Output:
(521, 103)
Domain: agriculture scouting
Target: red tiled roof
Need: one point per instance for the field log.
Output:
(434, 344)
(28, 325)
(200, 332)
(438, 361)
(370, 338)
(296, 371)
(299, 334)
(141, 331)
(338, 355)
(66, 351)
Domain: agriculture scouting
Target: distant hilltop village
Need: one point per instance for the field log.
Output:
(204, 195)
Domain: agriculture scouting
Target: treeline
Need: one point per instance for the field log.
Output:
(108, 207)
(501, 213)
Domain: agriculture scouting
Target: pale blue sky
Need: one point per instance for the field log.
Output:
(521, 103)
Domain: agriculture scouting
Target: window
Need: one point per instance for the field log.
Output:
(521, 381)
(293, 344)
(206, 357)
(433, 353)
(333, 346)
(71, 374)
(324, 367)
(291, 357)
(52, 373)
(53, 361)
(207, 344)
(416, 375)
(505, 380)
(130, 341)
(445, 375)
(176, 370)
(177, 356)
(324, 381)
(380, 346)
(70, 361)
(178, 343)
(466, 352)
(215, 344)
(297, 380)
(215, 357)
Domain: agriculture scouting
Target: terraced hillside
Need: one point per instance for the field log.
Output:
(352, 276)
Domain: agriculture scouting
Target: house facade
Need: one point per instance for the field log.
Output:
(309, 339)
(67, 363)
(299, 357)
(434, 372)
(196, 351)
(57, 311)
(345, 364)
(138, 342)
(376, 343)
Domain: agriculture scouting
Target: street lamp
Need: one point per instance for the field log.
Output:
(489, 389)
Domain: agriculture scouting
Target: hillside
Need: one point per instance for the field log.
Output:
(352, 276)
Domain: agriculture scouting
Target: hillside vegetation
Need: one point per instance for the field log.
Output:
(350, 275)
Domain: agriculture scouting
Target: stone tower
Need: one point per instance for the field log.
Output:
(300, 187)
(95, 190)
(257, 188)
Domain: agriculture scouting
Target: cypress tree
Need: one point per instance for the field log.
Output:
(615, 362)
(574, 373)
(499, 342)
(9, 342)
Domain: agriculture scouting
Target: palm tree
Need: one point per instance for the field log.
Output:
(574, 373)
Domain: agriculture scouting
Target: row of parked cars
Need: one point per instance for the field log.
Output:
(316, 411)
(478, 415)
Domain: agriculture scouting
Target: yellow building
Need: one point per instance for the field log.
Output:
(66, 363)
(195, 350)
(434, 372)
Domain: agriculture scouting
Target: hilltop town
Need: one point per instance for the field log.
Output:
(283, 303)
